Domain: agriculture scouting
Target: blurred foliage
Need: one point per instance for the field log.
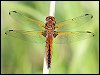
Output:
(18, 56)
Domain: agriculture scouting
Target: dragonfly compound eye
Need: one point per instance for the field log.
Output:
(50, 18)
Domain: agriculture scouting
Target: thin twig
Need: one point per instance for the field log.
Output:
(51, 13)
(52, 8)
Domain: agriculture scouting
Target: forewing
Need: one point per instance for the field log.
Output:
(74, 24)
(24, 20)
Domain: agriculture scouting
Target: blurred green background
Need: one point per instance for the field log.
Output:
(18, 56)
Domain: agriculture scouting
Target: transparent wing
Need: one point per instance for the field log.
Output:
(76, 23)
(24, 20)
(70, 37)
(35, 37)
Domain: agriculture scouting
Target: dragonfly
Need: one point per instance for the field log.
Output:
(50, 32)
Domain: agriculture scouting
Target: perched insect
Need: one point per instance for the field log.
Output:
(49, 31)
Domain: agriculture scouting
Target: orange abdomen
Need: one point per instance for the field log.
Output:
(49, 51)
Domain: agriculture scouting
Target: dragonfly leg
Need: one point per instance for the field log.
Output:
(44, 33)
(55, 34)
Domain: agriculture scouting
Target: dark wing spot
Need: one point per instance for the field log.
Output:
(5, 33)
(72, 19)
(86, 14)
(88, 32)
(9, 13)
(10, 30)
(12, 11)
(91, 32)
(93, 35)
(91, 16)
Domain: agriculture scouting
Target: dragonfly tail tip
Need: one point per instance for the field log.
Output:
(48, 66)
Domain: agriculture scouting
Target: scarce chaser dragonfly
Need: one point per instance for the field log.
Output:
(47, 32)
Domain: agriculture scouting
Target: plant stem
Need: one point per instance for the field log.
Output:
(51, 13)
(52, 8)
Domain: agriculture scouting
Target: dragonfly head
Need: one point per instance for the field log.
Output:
(50, 18)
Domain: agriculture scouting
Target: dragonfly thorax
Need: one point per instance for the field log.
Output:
(50, 22)
(49, 26)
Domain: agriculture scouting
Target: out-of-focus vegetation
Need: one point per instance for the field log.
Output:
(18, 56)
